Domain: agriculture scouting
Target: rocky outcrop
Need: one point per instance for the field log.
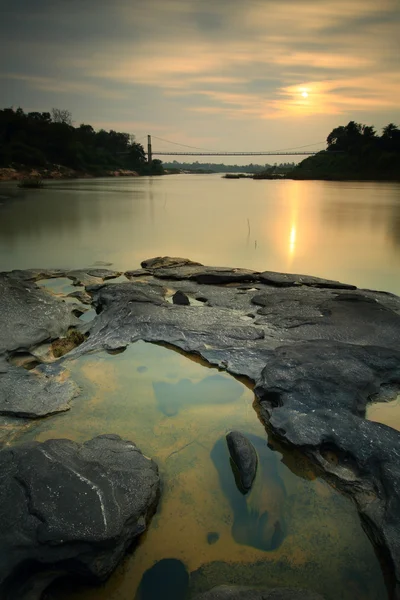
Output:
(317, 350)
(229, 592)
(29, 316)
(244, 457)
(70, 508)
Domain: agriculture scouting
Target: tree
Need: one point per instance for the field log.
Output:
(136, 157)
(390, 131)
(61, 115)
(368, 131)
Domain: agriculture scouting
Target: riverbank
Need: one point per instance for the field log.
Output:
(59, 172)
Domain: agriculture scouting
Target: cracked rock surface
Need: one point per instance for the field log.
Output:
(317, 350)
(71, 508)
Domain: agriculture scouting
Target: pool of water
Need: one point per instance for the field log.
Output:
(292, 529)
(387, 413)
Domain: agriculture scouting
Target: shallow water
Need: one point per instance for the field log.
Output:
(387, 413)
(321, 544)
(340, 230)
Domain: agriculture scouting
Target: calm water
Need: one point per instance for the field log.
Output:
(292, 529)
(348, 231)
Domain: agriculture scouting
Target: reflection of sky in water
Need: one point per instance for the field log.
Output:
(319, 228)
(387, 413)
(296, 527)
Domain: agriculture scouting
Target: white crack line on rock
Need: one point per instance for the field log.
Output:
(93, 486)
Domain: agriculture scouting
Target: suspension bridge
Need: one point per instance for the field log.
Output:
(151, 152)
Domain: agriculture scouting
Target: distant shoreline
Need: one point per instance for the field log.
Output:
(8, 174)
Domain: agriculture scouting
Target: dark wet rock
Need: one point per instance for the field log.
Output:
(228, 592)
(212, 537)
(91, 276)
(168, 261)
(81, 296)
(34, 394)
(180, 298)
(167, 579)
(30, 315)
(206, 275)
(244, 456)
(259, 516)
(34, 274)
(289, 279)
(137, 273)
(71, 508)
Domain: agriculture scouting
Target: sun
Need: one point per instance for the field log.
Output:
(304, 94)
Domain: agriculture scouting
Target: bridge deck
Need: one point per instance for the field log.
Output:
(155, 152)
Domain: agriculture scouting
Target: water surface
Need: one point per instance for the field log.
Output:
(292, 529)
(340, 230)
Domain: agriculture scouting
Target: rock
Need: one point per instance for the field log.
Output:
(244, 457)
(212, 537)
(35, 393)
(259, 517)
(288, 280)
(81, 296)
(167, 579)
(91, 276)
(232, 592)
(167, 261)
(30, 315)
(180, 298)
(318, 352)
(71, 508)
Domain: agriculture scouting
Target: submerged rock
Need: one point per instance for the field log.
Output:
(244, 457)
(70, 508)
(167, 579)
(259, 516)
(233, 592)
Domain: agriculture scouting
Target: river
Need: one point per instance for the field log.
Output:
(340, 230)
(176, 408)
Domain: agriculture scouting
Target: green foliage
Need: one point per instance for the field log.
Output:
(355, 151)
(41, 139)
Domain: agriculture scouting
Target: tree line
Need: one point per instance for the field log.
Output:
(41, 139)
(355, 151)
(222, 168)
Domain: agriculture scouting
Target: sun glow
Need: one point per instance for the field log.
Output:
(304, 94)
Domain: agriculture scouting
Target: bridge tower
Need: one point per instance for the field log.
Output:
(149, 151)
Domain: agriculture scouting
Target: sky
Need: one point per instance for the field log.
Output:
(223, 75)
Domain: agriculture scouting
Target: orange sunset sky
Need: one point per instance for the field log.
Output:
(217, 74)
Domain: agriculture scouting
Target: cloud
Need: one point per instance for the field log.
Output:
(203, 61)
(51, 84)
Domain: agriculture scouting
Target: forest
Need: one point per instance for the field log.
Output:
(40, 139)
(355, 151)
